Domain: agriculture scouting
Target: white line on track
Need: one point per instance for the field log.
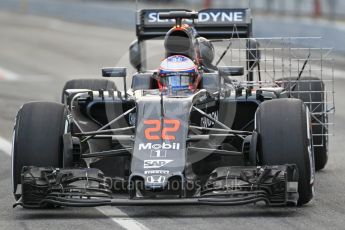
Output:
(5, 146)
(8, 75)
(113, 213)
(121, 218)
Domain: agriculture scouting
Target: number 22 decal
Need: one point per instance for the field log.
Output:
(153, 132)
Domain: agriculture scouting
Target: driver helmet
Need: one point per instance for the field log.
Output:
(178, 72)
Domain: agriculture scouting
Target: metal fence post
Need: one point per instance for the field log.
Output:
(207, 4)
(317, 8)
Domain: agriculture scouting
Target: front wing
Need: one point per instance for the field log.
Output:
(273, 185)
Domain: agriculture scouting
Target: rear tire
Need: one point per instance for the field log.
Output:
(92, 84)
(37, 138)
(285, 138)
(313, 84)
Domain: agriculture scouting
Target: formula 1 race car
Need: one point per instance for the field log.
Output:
(186, 133)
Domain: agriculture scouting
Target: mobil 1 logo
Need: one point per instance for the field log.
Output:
(156, 153)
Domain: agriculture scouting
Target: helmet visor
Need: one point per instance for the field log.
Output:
(177, 82)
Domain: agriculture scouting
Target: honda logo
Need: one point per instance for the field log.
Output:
(155, 179)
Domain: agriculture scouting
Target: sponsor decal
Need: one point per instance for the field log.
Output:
(205, 17)
(221, 17)
(155, 179)
(205, 122)
(178, 58)
(158, 153)
(166, 146)
(155, 164)
(155, 131)
(156, 172)
(177, 63)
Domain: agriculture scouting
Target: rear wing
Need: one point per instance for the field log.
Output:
(211, 24)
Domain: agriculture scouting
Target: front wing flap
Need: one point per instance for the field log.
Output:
(273, 185)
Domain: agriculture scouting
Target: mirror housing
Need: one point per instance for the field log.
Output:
(231, 70)
(135, 55)
(226, 72)
(114, 72)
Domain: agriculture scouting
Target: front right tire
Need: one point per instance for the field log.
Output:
(37, 138)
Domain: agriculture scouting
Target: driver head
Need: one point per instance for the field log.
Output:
(178, 72)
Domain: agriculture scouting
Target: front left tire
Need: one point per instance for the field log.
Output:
(283, 126)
